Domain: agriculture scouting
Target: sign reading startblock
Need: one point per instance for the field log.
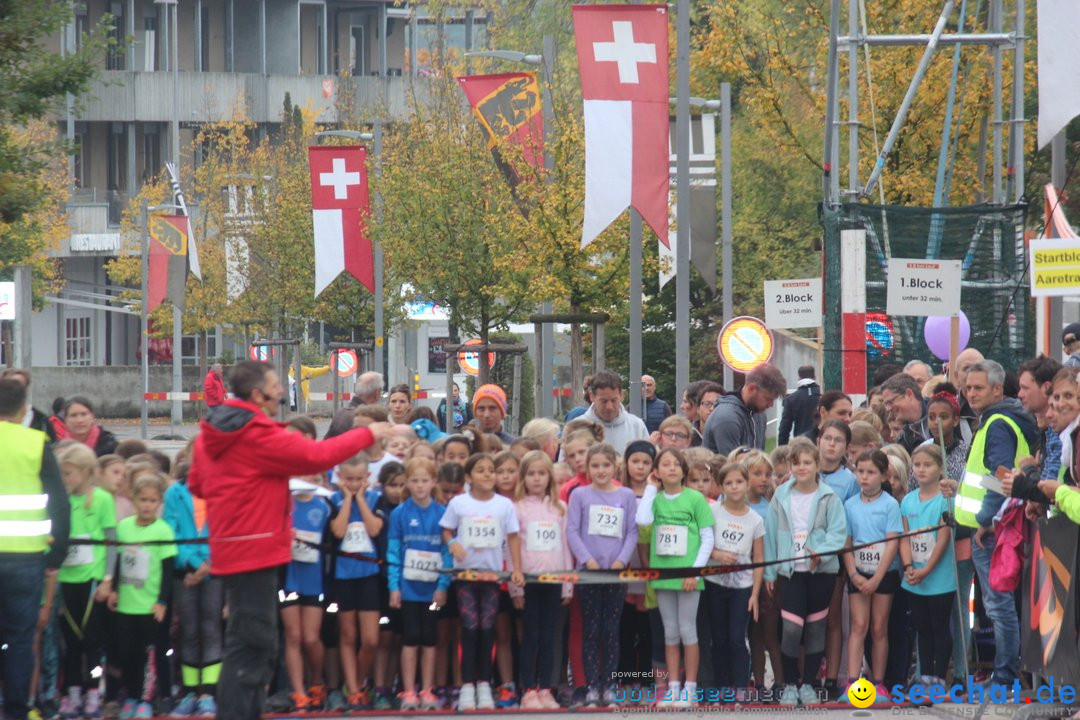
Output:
(1055, 268)
(923, 288)
(793, 303)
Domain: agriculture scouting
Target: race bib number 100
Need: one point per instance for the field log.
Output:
(542, 536)
(606, 520)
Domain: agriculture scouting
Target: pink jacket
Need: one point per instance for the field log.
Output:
(534, 510)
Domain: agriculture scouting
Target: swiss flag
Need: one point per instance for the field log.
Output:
(339, 210)
(623, 60)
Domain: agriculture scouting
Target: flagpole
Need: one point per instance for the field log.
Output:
(143, 321)
(682, 189)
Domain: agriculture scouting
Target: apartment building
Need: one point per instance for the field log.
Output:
(230, 52)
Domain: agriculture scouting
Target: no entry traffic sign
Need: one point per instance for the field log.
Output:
(745, 343)
(261, 353)
(343, 362)
(470, 361)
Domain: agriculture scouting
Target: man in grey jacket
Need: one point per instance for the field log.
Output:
(620, 427)
(739, 417)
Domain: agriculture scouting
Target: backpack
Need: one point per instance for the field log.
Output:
(1007, 562)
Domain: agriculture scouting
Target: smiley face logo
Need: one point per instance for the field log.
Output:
(861, 693)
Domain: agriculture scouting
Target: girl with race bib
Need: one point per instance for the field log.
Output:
(929, 576)
(356, 582)
(474, 527)
(765, 629)
(302, 596)
(415, 553)
(85, 580)
(542, 519)
(834, 436)
(732, 598)
(635, 635)
(387, 658)
(507, 466)
(145, 588)
(873, 516)
(806, 519)
(602, 534)
(682, 536)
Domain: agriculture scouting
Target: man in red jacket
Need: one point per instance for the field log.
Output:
(214, 387)
(241, 466)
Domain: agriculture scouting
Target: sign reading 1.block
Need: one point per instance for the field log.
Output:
(923, 287)
(793, 303)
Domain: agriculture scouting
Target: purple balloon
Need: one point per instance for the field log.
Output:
(936, 334)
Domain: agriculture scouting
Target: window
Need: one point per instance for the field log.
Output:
(79, 165)
(117, 56)
(151, 164)
(77, 341)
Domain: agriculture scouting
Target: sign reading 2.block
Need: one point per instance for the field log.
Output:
(793, 303)
(923, 287)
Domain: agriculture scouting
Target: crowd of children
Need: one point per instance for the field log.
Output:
(369, 618)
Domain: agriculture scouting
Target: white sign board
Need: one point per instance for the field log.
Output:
(923, 287)
(7, 301)
(793, 303)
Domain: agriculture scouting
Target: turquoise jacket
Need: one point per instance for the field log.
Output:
(828, 530)
(179, 513)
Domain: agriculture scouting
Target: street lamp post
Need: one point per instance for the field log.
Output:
(172, 63)
(546, 63)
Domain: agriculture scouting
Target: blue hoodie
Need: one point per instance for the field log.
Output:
(828, 530)
(179, 513)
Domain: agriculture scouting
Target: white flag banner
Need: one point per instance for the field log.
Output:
(1059, 66)
(667, 252)
(237, 257)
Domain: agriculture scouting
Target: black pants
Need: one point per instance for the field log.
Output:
(930, 616)
(82, 623)
(138, 660)
(542, 603)
(804, 605)
(251, 640)
(635, 644)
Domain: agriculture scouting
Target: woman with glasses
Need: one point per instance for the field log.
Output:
(698, 402)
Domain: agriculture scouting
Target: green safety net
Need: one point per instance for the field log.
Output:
(989, 239)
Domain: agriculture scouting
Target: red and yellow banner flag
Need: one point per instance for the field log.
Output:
(168, 260)
(509, 109)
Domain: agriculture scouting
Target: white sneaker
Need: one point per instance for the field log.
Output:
(467, 698)
(484, 700)
(807, 695)
(789, 696)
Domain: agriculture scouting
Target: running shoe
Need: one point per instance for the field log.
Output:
(186, 706)
(92, 706)
(317, 693)
(548, 701)
(592, 696)
(359, 700)
(484, 699)
(301, 703)
(383, 699)
(335, 701)
(531, 700)
(506, 696)
(429, 700)
(207, 707)
(789, 696)
(467, 697)
(144, 711)
(408, 701)
(807, 695)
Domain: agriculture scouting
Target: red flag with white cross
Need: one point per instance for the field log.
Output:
(623, 60)
(339, 211)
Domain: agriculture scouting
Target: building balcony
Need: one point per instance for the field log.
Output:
(122, 96)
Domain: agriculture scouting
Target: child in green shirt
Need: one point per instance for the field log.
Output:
(145, 572)
(85, 582)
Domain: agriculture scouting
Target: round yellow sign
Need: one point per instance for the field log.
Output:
(744, 343)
